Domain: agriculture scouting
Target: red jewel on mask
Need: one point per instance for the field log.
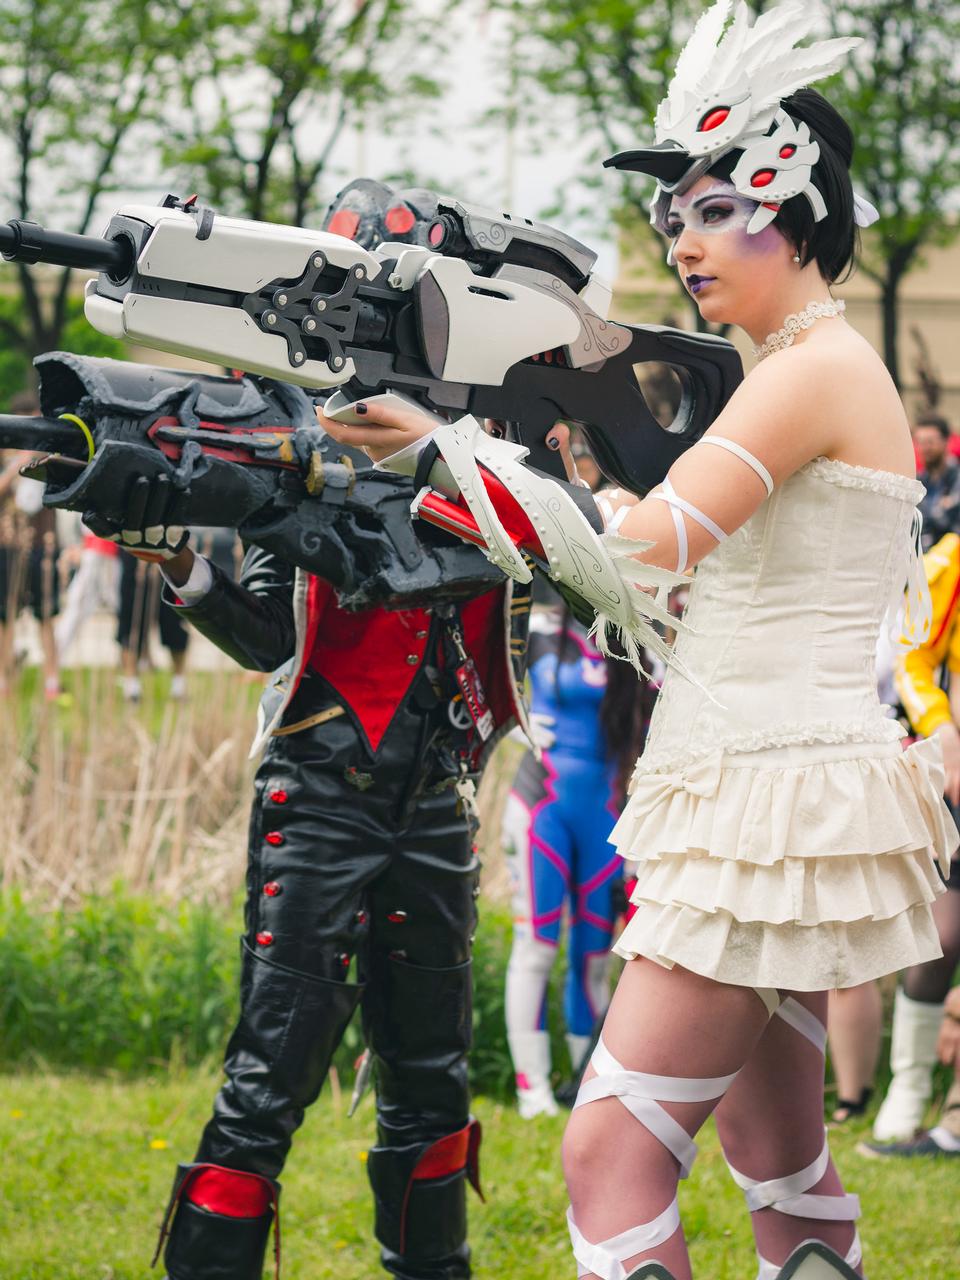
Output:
(273, 837)
(278, 797)
(265, 939)
(713, 119)
(788, 151)
(763, 177)
(271, 889)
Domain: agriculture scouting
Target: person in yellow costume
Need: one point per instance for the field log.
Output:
(919, 1011)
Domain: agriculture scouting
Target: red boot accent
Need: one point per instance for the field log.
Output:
(230, 1192)
(450, 1154)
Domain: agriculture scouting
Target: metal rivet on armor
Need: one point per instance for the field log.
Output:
(396, 917)
(272, 889)
(265, 939)
(279, 796)
(274, 837)
(412, 659)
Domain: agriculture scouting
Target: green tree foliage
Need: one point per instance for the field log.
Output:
(270, 96)
(84, 93)
(901, 96)
(617, 58)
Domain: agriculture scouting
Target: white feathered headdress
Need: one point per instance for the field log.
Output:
(725, 96)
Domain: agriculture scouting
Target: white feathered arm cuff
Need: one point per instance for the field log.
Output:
(487, 496)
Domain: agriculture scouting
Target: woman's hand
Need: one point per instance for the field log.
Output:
(385, 430)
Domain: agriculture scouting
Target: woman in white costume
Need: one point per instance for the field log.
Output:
(788, 846)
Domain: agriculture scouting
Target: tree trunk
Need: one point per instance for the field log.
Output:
(889, 303)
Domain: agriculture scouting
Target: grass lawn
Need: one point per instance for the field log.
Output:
(88, 1162)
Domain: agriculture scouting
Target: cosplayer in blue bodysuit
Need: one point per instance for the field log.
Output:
(558, 817)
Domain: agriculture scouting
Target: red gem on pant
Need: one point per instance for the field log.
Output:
(273, 837)
(265, 939)
(272, 889)
(279, 797)
(360, 917)
(396, 917)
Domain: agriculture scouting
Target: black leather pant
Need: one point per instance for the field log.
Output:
(347, 858)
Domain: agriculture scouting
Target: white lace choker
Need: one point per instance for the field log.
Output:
(795, 324)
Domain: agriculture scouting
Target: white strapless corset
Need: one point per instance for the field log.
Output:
(782, 837)
(784, 618)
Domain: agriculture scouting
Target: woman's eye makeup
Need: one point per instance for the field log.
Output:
(717, 215)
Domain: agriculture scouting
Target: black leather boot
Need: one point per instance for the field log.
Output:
(418, 1022)
(217, 1224)
(420, 1204)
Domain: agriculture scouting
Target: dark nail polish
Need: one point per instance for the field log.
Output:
(553, 442)
(360, 408)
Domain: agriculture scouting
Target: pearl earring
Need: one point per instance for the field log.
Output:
(796, 257)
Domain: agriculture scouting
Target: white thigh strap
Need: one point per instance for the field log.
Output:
(642, 1094)
(801, 1019)
(606, 1259)
(789, 1195)
(745, 456)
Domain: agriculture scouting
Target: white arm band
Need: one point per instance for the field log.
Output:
(745, 456)
(678, 505)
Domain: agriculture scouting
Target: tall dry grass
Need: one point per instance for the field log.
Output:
(100, 791)
(154, 796)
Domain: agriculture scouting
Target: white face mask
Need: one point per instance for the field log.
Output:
(715, 211)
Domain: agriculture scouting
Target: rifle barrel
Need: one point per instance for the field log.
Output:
(22, 241)
(42, 435)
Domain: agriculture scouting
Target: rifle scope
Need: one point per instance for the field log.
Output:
(22, 241)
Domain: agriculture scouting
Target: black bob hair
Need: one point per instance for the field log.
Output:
(833, 242)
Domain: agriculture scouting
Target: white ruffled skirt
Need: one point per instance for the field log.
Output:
(805, 868)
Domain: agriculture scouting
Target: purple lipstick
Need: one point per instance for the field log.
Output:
(696, 283)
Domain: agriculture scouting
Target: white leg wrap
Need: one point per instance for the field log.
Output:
(607, 1258)
(641, 1094)
(790, 1195)
(802, 1020)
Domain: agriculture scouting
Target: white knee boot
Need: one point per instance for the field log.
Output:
(913, 1052)
(530, 1051)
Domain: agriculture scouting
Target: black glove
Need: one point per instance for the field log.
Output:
(146, 532)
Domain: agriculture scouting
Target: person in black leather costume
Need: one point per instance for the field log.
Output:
(360, 850)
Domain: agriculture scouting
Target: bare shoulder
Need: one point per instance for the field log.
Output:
(832, 395)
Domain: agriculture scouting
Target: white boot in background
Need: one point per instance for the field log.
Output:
(578, 1048)
(530, 1051)
(913, 1052)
